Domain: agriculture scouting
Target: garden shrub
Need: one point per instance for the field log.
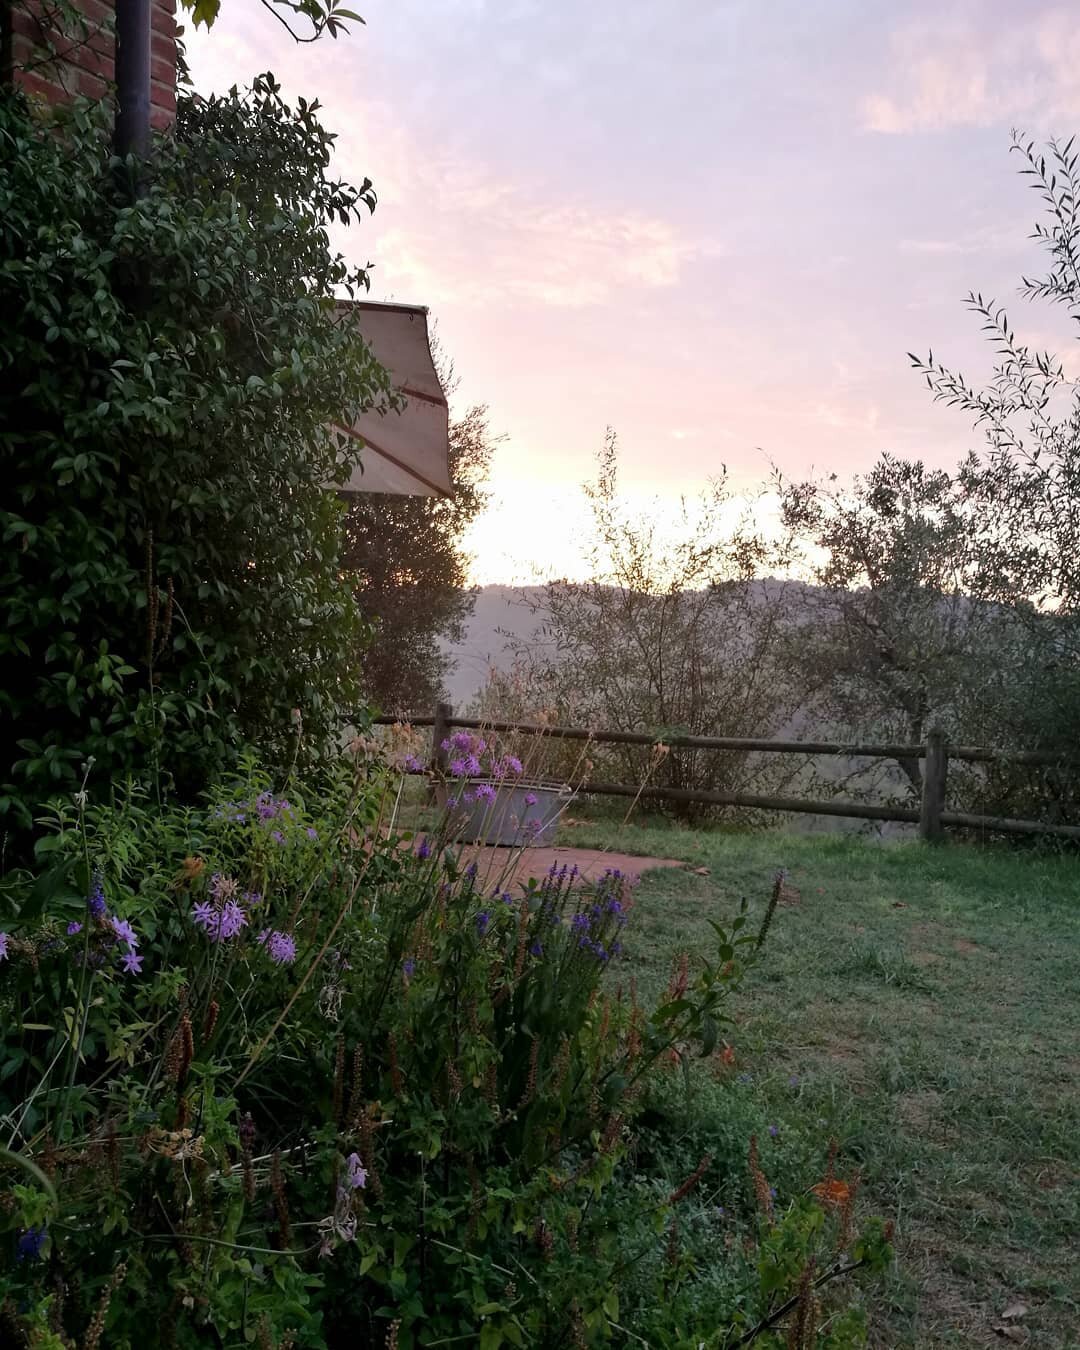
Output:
(274, 1074)
(169, 370)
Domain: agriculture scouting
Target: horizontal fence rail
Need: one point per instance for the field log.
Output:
(931, 815)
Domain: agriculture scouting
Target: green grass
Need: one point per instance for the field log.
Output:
(923, 1006)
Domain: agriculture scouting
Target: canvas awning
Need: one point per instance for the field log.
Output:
(404, 453)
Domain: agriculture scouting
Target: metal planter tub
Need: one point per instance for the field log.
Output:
(511, 814)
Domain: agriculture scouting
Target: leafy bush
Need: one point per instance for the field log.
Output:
(169, 371)
(273, 1073)
(670, 635)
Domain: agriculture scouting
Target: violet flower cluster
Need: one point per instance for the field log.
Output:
(227, 912)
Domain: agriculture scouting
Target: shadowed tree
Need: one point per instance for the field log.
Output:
(406, 559)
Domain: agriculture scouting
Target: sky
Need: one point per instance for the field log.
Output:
(717, 226)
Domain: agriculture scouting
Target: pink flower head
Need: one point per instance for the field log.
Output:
(280, 946)
(124, 932)
(219, 921)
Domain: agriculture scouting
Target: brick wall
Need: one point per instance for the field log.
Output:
(84, 63)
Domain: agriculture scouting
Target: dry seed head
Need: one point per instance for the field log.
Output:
(691, 1181)
(762, 1193)
(397, 1080)
(339, 1078)
(97, 1324)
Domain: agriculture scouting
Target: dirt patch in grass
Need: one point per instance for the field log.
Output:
(968, 948)
(535, 863)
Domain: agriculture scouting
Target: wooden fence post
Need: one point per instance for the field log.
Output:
(439, 732)
(935, 781)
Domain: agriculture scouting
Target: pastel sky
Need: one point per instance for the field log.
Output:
(715, 225)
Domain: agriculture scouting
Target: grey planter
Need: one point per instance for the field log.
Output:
(509, 820)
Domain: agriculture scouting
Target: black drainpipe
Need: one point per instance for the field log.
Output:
(132, 132)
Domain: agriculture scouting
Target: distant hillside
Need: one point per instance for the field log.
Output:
(498, 608)
(505, 610)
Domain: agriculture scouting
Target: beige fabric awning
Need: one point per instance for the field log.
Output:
(405, 453)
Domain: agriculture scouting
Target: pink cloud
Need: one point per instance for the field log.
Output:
(970, 67)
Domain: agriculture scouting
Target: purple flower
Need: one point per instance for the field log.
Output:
(408, 966)
(132, 963)
(451, 803)
(509, 764)
(356, 1172)
(95, 901)
(580, 923)
(772, 1192)
(537, 949)
(413, 765)
(3, 946)
(614, 907)
(468, 796)
(530, 799)
(423, 850)
(220, 922)
(30, 1242)
(507, 898)
(482, 921)
(532, 828)
(485, 793)
(277, 836)
(793, 1081)
(280, 946)
(124, 932)
(312, 832)
(774, 1130)
(74, 927)
(460, 740)
(457, 767)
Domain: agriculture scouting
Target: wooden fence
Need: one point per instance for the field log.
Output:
(932, 817)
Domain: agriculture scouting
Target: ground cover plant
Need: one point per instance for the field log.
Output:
(922, 1007)
(273, 1073)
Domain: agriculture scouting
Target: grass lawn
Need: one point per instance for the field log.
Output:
(923, 1006)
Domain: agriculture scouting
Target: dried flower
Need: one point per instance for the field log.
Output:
(691, 1181)
(97, 1324)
